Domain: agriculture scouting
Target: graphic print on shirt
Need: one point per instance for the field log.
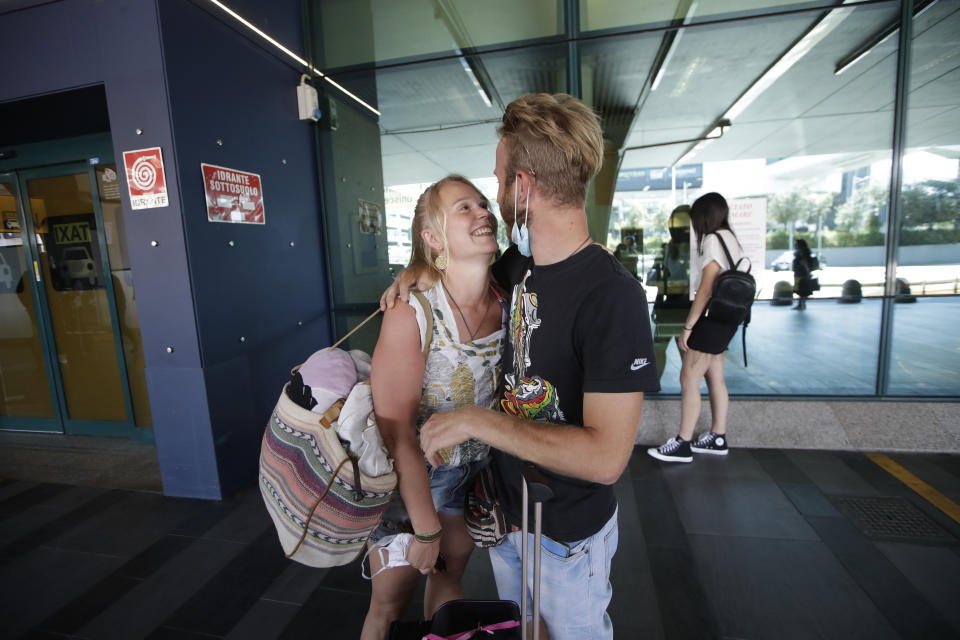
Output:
(523, 321)
(532, 397)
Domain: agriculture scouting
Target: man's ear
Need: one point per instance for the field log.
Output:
(523, 181)
(527, 184)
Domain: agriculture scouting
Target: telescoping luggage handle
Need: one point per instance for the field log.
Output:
(536, 488)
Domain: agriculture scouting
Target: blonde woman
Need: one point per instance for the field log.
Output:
(454, 238)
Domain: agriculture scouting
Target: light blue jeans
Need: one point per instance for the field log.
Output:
(575, 585)
(448, 487)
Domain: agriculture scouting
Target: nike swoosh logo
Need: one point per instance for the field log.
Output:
(638, 364)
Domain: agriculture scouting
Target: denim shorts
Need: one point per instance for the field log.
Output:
(575, 585)
(448, 486)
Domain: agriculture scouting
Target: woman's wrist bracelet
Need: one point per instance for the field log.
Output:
(688, 328)
(427, 538)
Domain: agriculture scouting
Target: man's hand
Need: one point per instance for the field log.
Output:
(445, 430)
(409, 278)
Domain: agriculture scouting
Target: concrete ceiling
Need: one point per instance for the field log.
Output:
(435, 120)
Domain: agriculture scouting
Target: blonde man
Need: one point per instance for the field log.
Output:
(578, 361)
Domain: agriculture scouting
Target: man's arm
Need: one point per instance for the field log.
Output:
(596, 452)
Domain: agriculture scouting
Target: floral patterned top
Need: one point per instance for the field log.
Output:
(458, 374)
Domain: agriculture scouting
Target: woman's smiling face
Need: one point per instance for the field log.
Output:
(470, 227)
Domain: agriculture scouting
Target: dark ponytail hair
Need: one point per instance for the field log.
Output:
(709, 213)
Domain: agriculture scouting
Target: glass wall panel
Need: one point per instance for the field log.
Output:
(925, 349)
(803, 153)
(353, 33)
(785, 108)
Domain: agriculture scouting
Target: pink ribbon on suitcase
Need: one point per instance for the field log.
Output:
(466, 635)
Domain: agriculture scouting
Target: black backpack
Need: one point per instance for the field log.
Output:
(733, 294)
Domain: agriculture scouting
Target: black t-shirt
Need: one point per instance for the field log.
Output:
(580, 325)
(510, 267)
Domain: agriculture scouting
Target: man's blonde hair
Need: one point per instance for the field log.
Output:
(429, 214)
(558, 139)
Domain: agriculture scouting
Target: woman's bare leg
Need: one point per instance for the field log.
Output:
(692, 370)
(719, 398)
(392, 590)
(456, 546)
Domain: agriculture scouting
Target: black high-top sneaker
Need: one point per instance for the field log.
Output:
(710, 442)
(673, 450)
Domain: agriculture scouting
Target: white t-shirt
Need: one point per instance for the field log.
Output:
(711, 251)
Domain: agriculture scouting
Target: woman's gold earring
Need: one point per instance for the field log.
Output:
(440, 262)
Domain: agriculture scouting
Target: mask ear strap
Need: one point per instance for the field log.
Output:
(516, 186)
(383, 562)
(526, 208)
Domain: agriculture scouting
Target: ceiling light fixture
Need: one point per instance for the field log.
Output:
(800, 48)
(716, 132)
(674, 40)
(817, 32)
(481, 89)
(236, 16)
(868, 45)
(447, 12)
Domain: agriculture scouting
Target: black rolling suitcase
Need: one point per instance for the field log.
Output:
(491, 619)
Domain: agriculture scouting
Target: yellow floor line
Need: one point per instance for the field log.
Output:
(925, 491)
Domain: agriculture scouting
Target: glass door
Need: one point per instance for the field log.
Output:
(64, 243)
(25, 383)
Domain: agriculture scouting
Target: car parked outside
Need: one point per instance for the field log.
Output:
(784, 262)
(76, 266)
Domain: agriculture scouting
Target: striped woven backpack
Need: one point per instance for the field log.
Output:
(323, 506)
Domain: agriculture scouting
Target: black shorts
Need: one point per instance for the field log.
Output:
(710, 336)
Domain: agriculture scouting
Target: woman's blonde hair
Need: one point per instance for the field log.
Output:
(429, 214)
(558, 139)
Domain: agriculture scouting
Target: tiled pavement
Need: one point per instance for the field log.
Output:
(752, 546)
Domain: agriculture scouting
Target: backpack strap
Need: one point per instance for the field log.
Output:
(726, 251)
(422, 299)
(428, 313)
(730, 258)
(743, 335)
(355, 329)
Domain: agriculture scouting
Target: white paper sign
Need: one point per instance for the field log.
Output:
(748, 218)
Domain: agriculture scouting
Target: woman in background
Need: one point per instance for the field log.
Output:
(704, 339)
(803, 267)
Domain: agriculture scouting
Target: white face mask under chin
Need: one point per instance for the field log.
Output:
(520, 234)
(396, 550)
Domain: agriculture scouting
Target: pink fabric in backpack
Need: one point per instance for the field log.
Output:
(330, 374)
